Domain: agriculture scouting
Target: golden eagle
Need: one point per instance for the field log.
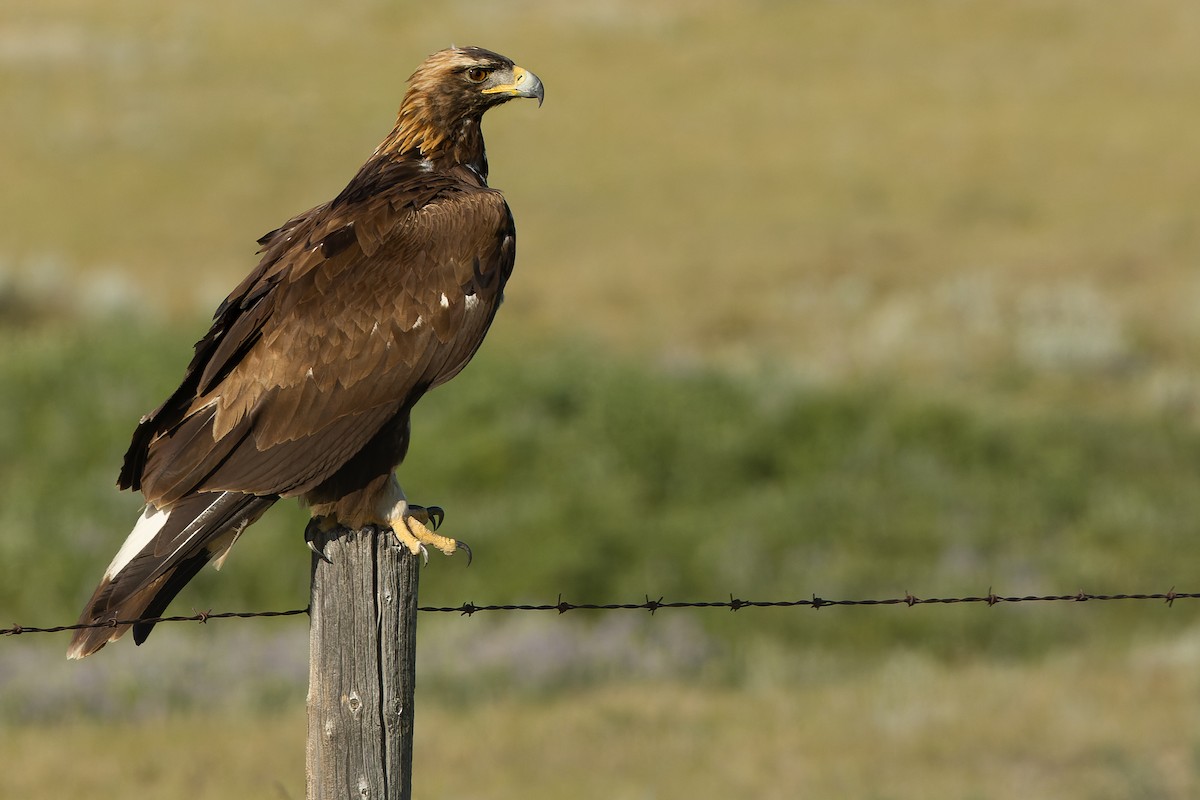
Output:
(304, 384)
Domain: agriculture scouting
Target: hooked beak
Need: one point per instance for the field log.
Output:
(524, 84)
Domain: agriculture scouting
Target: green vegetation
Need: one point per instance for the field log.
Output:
(573, 472)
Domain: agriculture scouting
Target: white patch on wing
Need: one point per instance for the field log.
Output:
(445, 301)
(472, 301)
(151, 522)
(420, 321)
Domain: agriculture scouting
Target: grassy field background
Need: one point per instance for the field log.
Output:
(906, 728)
(840, 298)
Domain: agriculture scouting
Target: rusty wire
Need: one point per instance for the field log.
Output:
(562, 606)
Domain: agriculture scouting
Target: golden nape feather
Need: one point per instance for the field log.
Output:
(305, 381)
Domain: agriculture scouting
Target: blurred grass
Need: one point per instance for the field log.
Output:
(1081, 726)
(987, 198)
(571, 471)
(846, 298)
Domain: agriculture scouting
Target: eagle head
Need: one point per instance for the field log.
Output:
(448, 94)
(472, 79)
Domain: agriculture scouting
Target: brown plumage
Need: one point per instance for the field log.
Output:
(304, 383)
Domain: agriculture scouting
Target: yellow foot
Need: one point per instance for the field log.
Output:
(413, 530)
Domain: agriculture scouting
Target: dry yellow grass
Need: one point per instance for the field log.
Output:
(965, 194)
(1077, 726)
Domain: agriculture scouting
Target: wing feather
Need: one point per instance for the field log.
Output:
(330, 336)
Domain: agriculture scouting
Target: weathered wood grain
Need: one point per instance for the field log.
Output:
(362, 669)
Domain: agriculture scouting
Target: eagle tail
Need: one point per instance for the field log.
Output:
(164, 551)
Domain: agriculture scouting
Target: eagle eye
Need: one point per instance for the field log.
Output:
(478, 74)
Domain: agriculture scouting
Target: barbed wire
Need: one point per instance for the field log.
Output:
(200, 616)
(562, 606)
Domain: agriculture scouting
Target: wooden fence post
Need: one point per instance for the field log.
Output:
(362, 669)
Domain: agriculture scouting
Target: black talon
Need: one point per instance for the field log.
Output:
(433, 515)
(466, 547)
(312, 535)
(437, 516)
